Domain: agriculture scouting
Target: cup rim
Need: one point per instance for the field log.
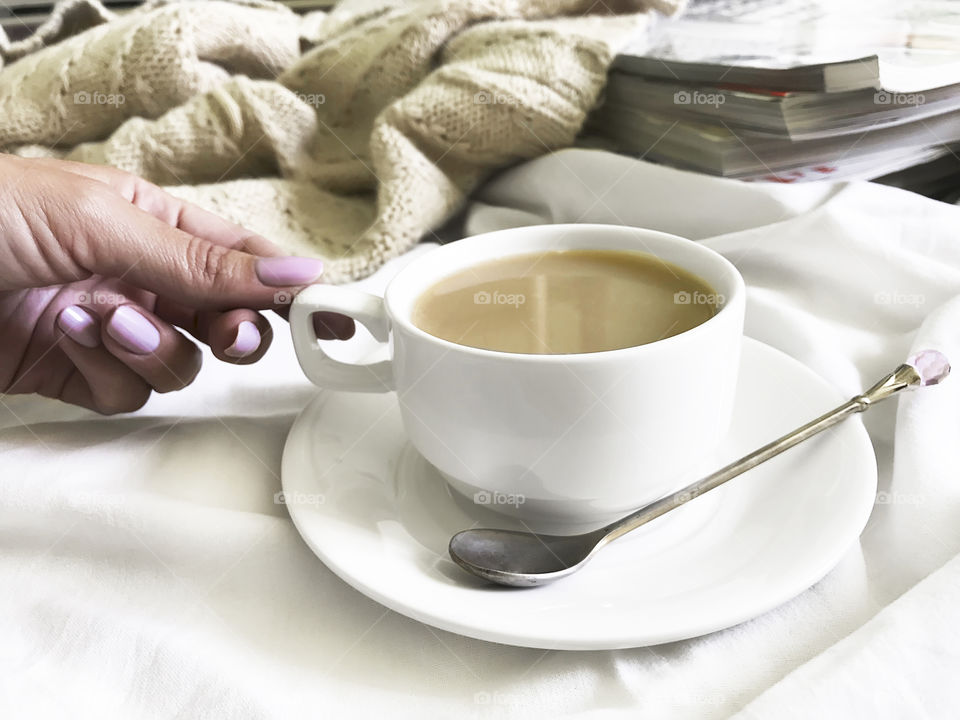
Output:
(404, 321)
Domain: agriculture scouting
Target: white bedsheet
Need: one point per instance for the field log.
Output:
(145, 571)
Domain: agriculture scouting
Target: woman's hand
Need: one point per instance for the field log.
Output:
(97, 266)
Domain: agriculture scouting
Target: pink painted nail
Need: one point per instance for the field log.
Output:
(79, 325)
(248, 340)
(133, 331)
(287, 271)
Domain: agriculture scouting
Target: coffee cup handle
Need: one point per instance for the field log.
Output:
(322, 369)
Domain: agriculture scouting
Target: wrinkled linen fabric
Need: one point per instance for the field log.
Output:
(146, 571)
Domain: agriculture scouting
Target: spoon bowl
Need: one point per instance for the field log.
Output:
(522, 559)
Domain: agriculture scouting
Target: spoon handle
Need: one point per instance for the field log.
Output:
(903, 377)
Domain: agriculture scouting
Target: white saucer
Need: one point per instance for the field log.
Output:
(380, 517)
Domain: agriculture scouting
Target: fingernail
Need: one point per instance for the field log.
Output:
(286, 271)
(248, 340)
(133, 331)
(79, 325)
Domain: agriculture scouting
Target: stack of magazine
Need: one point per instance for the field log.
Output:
(789, 91)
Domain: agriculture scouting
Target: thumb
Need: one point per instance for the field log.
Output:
(142, 250)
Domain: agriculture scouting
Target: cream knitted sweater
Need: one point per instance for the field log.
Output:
(347, 135)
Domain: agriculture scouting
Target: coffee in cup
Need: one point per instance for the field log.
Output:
(565, 301)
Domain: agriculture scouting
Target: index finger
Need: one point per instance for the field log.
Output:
(175, 212)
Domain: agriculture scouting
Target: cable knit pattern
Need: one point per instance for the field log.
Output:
(347, 135)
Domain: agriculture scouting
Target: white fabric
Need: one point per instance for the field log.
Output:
(146, 572)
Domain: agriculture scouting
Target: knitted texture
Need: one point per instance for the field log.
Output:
(347, 135)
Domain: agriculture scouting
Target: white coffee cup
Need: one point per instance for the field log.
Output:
(561, 440)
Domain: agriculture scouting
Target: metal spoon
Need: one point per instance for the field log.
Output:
(526, 559)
